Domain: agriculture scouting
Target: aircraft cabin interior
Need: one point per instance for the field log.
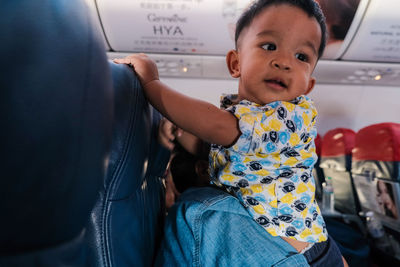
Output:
(86, 176)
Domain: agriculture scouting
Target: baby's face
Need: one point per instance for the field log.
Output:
(277, 54)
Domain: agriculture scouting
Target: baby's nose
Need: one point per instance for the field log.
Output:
(281, 64)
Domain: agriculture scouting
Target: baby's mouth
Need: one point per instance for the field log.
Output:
(276, 82)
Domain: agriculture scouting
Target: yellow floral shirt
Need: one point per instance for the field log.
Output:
(269, 168)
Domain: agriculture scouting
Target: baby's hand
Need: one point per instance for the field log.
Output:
(145, 68)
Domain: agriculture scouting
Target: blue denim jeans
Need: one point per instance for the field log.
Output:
(324, 254)
(209, 227)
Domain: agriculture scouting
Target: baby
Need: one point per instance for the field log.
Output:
(263, 142)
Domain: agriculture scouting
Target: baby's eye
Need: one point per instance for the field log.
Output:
(302, 57)
(270, 47)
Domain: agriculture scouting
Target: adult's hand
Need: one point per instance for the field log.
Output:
(167, 133)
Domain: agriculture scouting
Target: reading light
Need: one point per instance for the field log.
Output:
(184, 69)
(378, 77)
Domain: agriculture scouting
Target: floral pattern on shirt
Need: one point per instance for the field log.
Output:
(269, 168)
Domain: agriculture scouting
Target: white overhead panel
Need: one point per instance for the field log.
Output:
(357, 73)
(170, 26)
(190, 38)
(326, 71)
(378, 37)
(343, 19)
(186, 66)
(204, 27)
(94, 17)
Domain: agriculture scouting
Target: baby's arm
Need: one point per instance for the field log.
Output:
(200, 118)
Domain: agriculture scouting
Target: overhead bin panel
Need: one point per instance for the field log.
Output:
(94, 16)
(378, 37)
(189, 38)
(203, 27)
(342, 20)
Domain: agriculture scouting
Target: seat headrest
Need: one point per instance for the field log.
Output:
(56, 113)
(379, 142)
(337, 142)
(318, 143)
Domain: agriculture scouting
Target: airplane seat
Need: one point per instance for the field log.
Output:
(127, 220)
(56, 109)
(344, 225)
(317, 171)
(336, 152)
(376, 171)
(63, 107)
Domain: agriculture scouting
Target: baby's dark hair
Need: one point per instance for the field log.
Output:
(311, 7)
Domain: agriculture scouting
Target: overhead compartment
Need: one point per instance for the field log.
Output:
(189, 38)
(205, 27)
(378, 36)
(96, 22)
(200, 27)
(343, 19)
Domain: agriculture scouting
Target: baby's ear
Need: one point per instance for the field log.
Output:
(311, 84)
(232, 61)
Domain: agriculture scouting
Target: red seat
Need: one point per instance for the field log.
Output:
(377, 150)
(318, 143)
(375, 167)
(336, 149)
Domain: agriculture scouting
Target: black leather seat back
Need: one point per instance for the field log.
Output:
(126, 222)
(56, 109)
